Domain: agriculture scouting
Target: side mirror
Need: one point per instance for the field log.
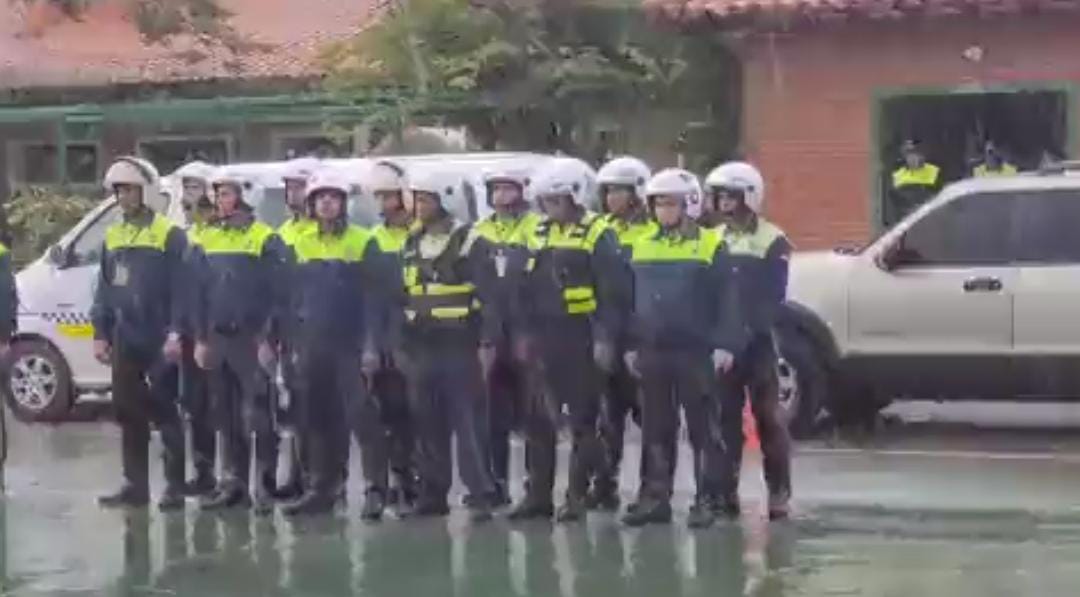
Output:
(846, 250)
(57, 256)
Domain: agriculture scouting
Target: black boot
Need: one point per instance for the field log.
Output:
(779, 507)
(310, 504)
(648, 512)
(701, 516)
(292, 490)
(229, 495)
(572, 510)
(532, 508)
(203, 484)
(172, 499)
(726, 507)
(430, 505)
(126, 497)
(480, 510)
(603, 498)
(374, 504)
(501, 495)
(634, 505)
(262, 499)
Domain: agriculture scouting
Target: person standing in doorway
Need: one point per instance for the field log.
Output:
(913, 183)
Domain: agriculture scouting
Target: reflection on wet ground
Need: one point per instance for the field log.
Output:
(908, 522)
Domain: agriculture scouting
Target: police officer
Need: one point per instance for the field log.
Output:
(394, 445)
(295, 179)
(9, 301)
(138, 317)
(681, 338)
(239, 266)
(573, 301)
(759, 254)
(444, 282)
(507, 230)
(622, 190)
(194, 390)
(333, 302)
(913, 183)
(993, 164)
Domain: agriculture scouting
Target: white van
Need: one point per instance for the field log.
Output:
(52, 361)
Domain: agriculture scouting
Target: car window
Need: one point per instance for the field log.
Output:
(86, 249)
(1046, 223)
(970, 230)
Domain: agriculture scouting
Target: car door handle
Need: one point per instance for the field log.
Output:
(983, 284)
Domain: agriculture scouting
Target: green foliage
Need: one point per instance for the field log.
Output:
(158, 21)
(38, 216)
(530, 69)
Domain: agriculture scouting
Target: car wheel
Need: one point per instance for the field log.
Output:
(37, 384)
(803, 382)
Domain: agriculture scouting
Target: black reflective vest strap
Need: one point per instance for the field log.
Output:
(579, 294)
(433, 288)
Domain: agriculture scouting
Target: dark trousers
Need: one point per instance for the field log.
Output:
(506, 390)
(754, 373)
(329, 382)
(383, 428)
(240, 390)
(195, 402)
(620, 399)
(446, 398)
(287, 408)
(564, 376)
(671, 379)
(144, 394)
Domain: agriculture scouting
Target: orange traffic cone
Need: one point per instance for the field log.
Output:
(750, 434)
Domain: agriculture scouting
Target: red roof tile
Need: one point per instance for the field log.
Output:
(772, 14)
(104, 47)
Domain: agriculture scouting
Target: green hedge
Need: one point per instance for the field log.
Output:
(38, 216)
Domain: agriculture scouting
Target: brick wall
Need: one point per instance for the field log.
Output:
(809, 100)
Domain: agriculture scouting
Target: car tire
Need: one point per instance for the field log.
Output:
(37, 382)
(804, 382)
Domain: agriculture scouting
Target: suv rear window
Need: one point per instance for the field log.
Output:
(1047, 225)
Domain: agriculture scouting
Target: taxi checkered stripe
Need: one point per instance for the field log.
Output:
(66, 318)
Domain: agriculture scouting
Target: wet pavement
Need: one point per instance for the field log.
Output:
(955, 501)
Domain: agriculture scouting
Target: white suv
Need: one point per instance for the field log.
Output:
(975, 295)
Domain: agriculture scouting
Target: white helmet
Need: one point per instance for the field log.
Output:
(625, 171)
(504, 174)
(197, 170)
(740, 176)
(300, 169)
(132, 171)
(566, 176)
(444, 186)
(677, 183)
(386, 176)
(517, 176)
(225, 176)
(141, 173)
(328, 180)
